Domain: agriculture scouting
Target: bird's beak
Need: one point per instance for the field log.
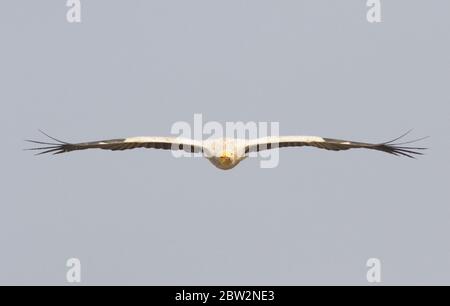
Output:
(226, 155)
(226, 158)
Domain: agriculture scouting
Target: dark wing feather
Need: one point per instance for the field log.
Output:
(335, 145)
(165, 143)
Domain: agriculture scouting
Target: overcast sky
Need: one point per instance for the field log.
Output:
(133, 68)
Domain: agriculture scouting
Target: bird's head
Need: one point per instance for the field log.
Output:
(226, 159)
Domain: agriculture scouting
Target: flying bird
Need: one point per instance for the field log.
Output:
(226, 153)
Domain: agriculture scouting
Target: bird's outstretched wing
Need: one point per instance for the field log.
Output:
(166, 143)
(392, 147)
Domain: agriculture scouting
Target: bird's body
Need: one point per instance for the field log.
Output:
(226, 153)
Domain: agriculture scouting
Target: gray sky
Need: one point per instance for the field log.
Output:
(133, 68)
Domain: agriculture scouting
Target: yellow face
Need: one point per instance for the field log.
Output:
(226, 159)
